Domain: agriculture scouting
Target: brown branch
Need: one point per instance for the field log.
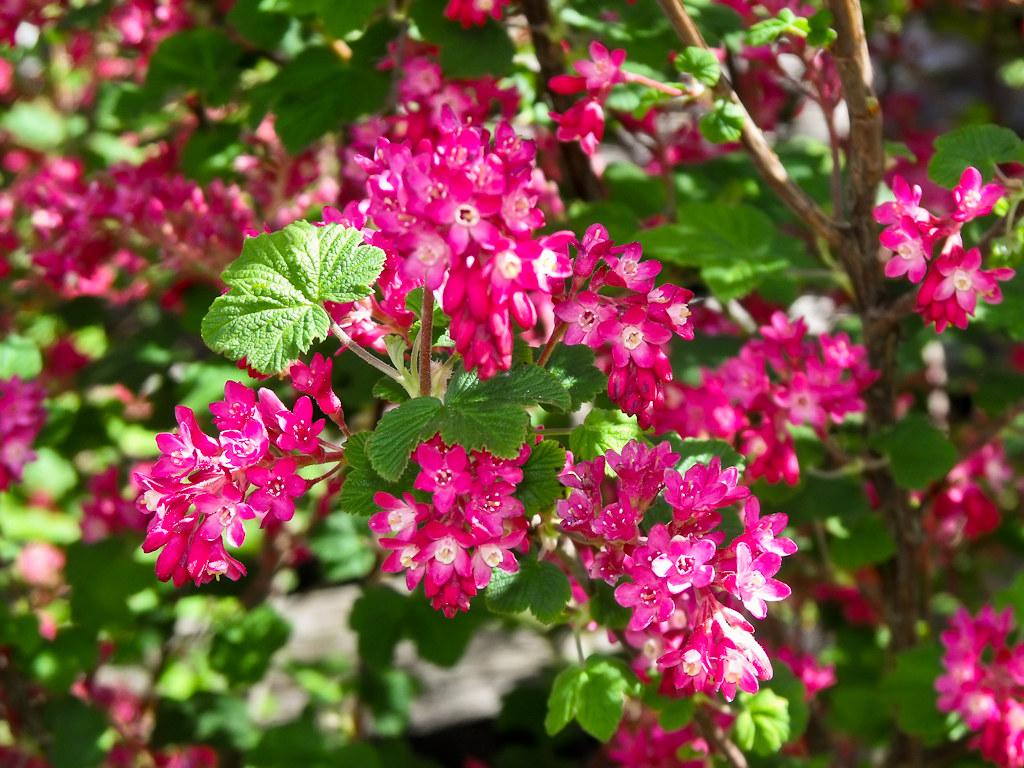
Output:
(719, 739)
(576, 165)
(426, 339)
(765, 160)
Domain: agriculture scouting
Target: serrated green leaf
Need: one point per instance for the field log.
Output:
(602, 696)
(762, 725)
(386, 388)
(908, 692)
(573, 367)
(538, 586)
(204, 59)
(540, 488)
(699, 62)
(563, 700)
(676, 714)
(724, 123)
(603, 431)
(918, 452)
(398, 434)
(866, 541)
(19, 357)
(981, 146)
(273, 311)
(692, 450)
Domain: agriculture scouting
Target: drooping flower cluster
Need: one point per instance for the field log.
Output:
(683, 582)
(584, 120)
(471, 524)
(21, 418)
(91, 235)
(983, 682)
(952, 281)
(202, 490)
(964, 509)
(782, 378)
(458, 215)
(633, 327)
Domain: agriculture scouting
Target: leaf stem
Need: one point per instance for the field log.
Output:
(426, 339)
(549, 348)
(347, 342)
(719, 739)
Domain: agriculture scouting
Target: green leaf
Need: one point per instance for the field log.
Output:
(790, 687)
(694, 450)
(204, 60)
(210, 152)
(981, 146)
(908, 691)
(35, 124)
(595, 694)
(377, 617)
(676, 714)
(386, 388)
(763, 723)
(699, 62)
(75, 729)
(465, 53)
(538, 586)
(274, 310)
(866, 541)
(1012, 596)
(540, 488)
(103, 576)
(724, 123)
(564, 698)
(573, 367)
(398, 434)
(344, 547)
(19, 357)
(490, 414)
(342, 18)
(770, 30)
(603, 431)
(259, 26)
(243, 646)
(821, 34)
(918, 452)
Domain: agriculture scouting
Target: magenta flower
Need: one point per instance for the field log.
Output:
(604, 69)
(950, 291)
(315, 379)
(442, 473)
(972, 197)
(910, 251)
(628, 271)
(298, 430)
(636, 338)
(583, 122)
(649, 598)
(906, 205)
(185, 451)
(584, 317)
(474, 13)
(224, 514)
(682, 562)
(237, 407)
(752, 581)
(277, 487)
(244, 447)
(398, 517)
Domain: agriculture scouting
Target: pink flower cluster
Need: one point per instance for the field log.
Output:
(21, 418)
(107, 512)
(964, 508)
(953, 281)
(202, 490)
(782, 378)
(983, 683)
(458, 215)
(683, 582)
(643, 743)
(90, 235)
(584, 120)
(474, 13)
(471, 525)
(633, 327)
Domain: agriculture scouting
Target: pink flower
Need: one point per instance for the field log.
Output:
(627, 270)
(315, 379)
(277, 487)
(298, 430)
(398, 517)
(236, 409)
(187, 450)
(906, 205)
(583, 122)
(753, 583)
(224, 513)
(584, 317)
(649, 598)
(682, 562)
(474, 13)
(443, 472)
(636, 338)
(910, 252)
(950, 291)
(972, 197)
(21, 418)
(244, 447)
(40, 564)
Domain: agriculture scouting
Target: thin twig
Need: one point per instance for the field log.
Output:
(549, 348)
(347, 342)
(767, 162)
(719, 739)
